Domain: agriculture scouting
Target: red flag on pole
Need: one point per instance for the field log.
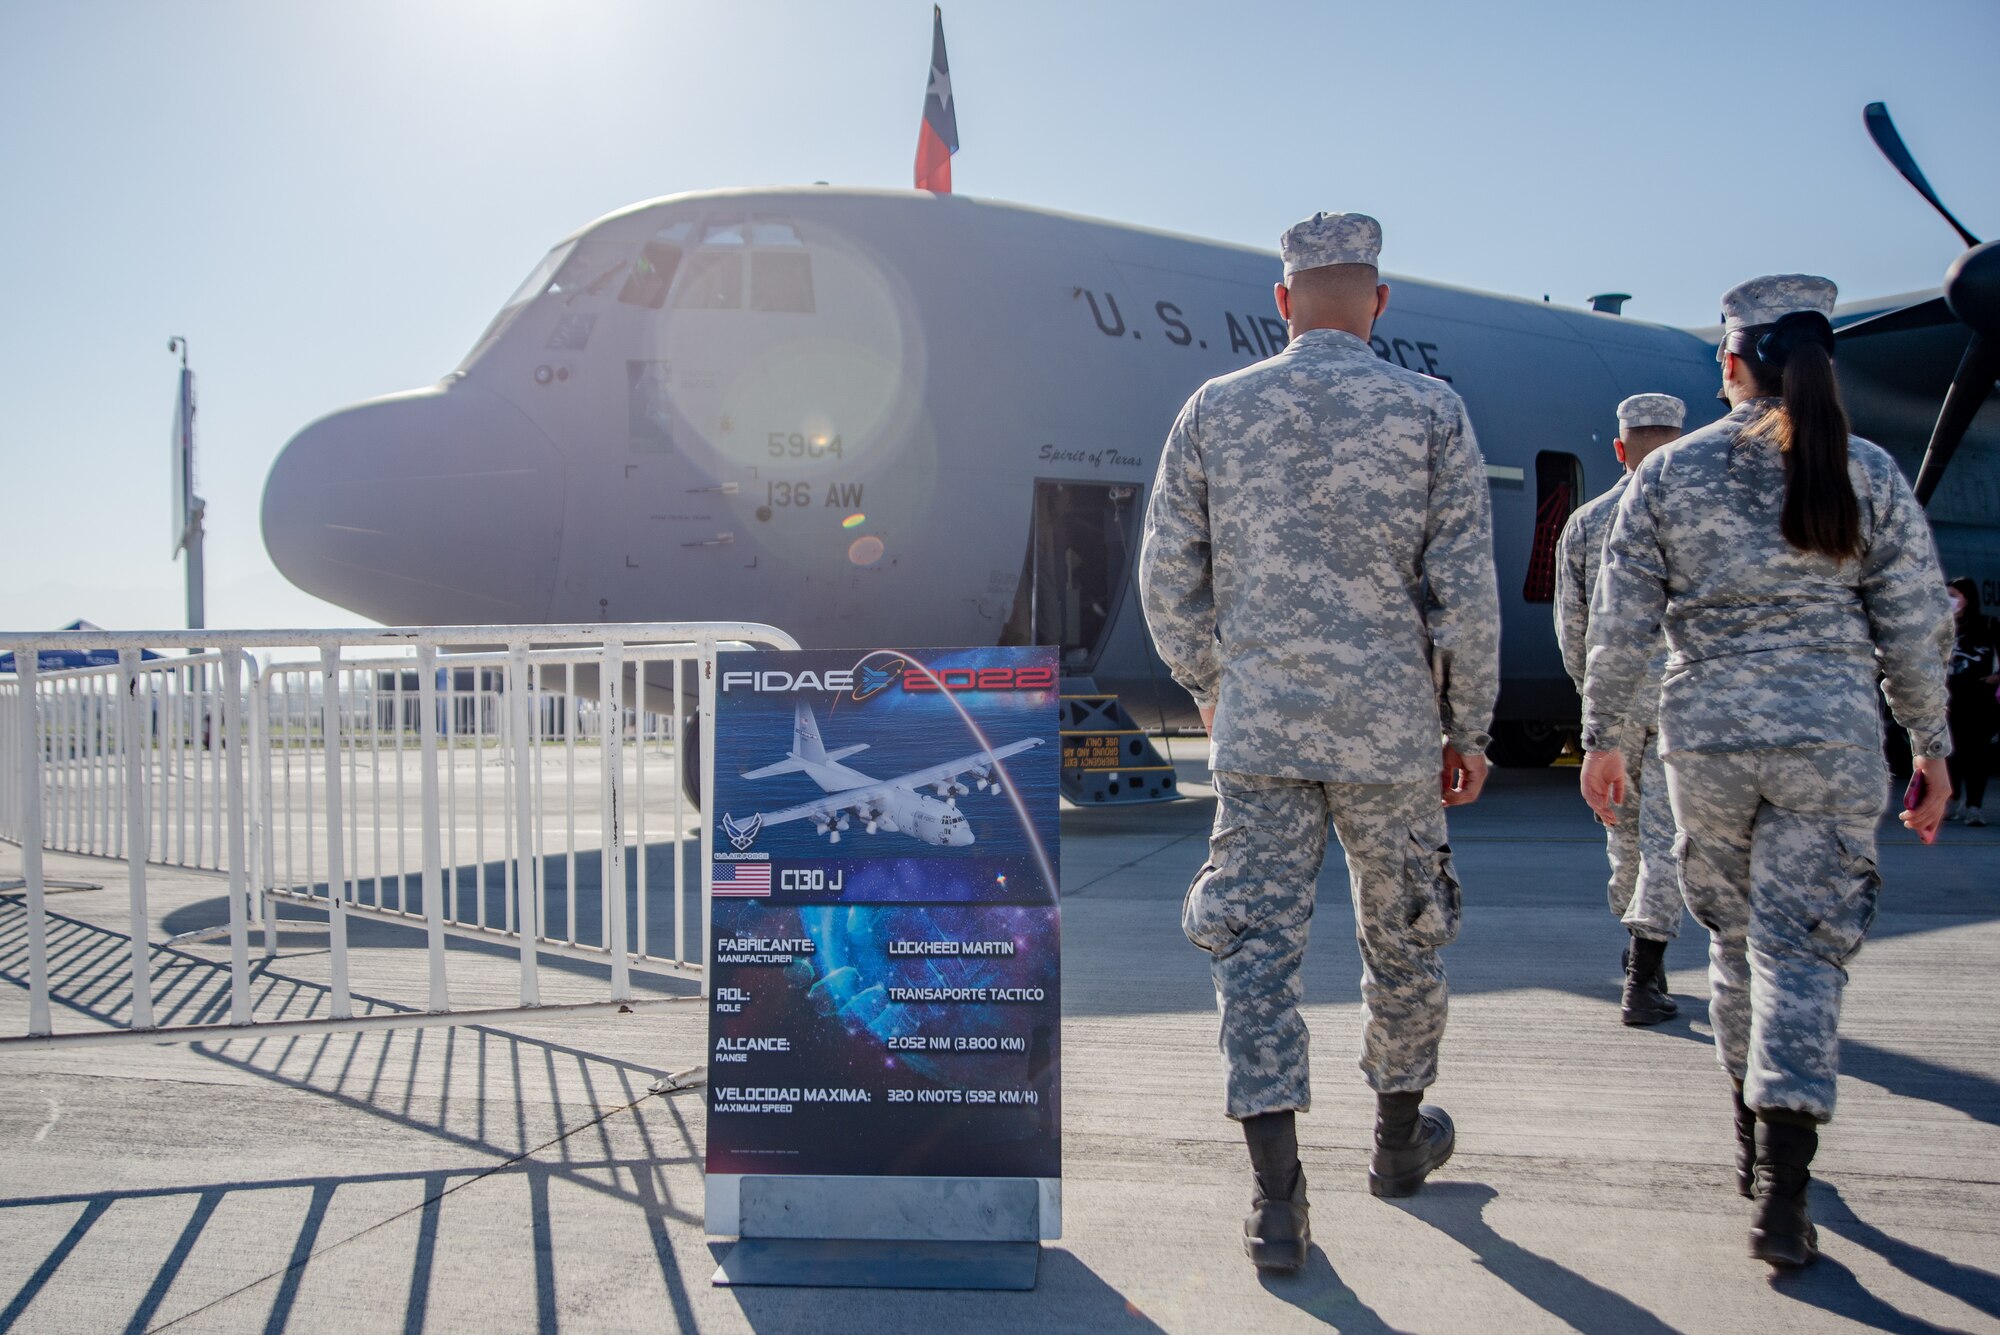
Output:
(938, 139)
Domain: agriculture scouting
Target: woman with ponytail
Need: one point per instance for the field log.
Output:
(1791, 568)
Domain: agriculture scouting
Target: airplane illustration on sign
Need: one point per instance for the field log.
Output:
(892, 805)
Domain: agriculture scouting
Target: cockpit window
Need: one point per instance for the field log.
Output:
(779, 268)
(537, 283)
(773, 232)
(714, 281)
(589, 269)
(653, 272)
(781, 281)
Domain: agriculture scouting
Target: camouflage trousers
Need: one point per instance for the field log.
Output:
(1645, 889)
(1250, 907)
(1777, 859)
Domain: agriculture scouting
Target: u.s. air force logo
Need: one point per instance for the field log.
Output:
(742, 834)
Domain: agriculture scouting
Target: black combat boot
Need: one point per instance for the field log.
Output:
(1411, 1139)
(1746, 1144)
(1645, 1000)
(1277, 1233)
(1625, 962)
(1781, 1232)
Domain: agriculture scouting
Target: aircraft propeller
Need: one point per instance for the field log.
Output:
(1971, 293)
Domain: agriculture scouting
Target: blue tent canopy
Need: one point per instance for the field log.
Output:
(63, 660)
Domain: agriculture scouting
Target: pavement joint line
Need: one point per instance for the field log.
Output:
(302, 1262)
(1127, 866)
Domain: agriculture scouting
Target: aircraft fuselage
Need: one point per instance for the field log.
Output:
(882, 417)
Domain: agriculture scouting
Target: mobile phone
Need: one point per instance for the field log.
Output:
(1913, 797)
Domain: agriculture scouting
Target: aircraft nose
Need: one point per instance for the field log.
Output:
(438, 506)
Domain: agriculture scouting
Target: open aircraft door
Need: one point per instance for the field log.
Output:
(1083, 552)
(1081, 564)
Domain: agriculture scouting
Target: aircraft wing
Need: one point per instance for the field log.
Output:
(831, 805)
(951, 769)
(871, 795)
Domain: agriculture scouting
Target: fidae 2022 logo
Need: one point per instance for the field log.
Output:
(878, 672)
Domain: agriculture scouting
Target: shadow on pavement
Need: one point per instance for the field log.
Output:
(481, 893)
(1914, 1078)
(1319, 1292)
(1832, 1287)
(1532, 862)
(1457, 1209)
(309, 1243)
(89, 972)
(1969, 1284)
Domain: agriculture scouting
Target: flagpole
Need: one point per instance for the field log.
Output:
(197, 612)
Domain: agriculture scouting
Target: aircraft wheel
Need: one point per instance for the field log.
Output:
(1526, 744)
(690, 758)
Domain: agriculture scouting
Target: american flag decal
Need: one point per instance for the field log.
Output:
(744, 880)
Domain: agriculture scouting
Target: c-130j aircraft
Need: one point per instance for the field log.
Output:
(890, 417)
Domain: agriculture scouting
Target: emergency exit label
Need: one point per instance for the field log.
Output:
(1096, 751)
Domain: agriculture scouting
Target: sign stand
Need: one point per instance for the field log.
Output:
(891, 1233)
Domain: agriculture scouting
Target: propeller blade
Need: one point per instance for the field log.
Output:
(1969, 388)
(1883, 131)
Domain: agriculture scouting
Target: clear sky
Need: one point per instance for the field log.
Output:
(331, 199)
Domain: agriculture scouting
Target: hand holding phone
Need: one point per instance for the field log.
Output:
(1918, 796)
(1913, 800)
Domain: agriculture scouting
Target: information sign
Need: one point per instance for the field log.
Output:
(886, 942)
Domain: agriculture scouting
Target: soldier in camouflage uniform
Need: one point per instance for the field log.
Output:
(1644, 891)
(1318, 573)
(1789, 564)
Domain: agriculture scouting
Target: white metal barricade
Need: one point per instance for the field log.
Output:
(301, 780)
(173, 738)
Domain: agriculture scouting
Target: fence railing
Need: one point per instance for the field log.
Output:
(490, 794)
(88, 733)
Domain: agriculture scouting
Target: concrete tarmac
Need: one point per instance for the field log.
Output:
(520, 1177)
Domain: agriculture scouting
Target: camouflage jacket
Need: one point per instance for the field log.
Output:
(1768, 646)
(1318, 566)
(1579, 556)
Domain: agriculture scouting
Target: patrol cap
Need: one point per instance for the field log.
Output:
(1766, 300)
(1330, 238)
(1651, 410)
